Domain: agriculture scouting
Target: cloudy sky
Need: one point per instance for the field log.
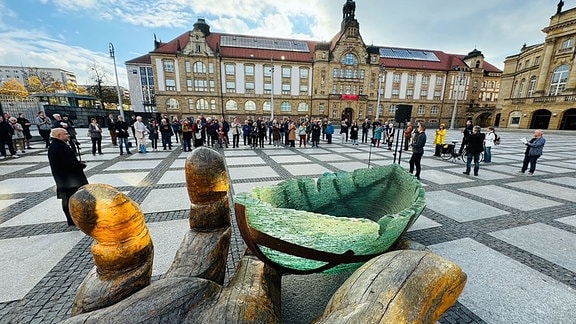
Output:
(74, 34)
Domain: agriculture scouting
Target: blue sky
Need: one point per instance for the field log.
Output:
(74, 34)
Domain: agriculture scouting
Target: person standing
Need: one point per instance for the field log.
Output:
(316, 130)
(153, 134)
(177, 129)
(236, 131)
(111, 123)
(67, 171)
(390, 133)
(276, 136)
(140, 131)
(534, 149)
(329, 132)
(418, 150)
(365, 130)
(377, 135)
(6, 132)
(465, 133)
(407, 135)
(131, 123)
(344, 130)
(26, 129)
(246, 131)
(488, 143)
(439, 139)
(122, 135)
(354, 133)
(166, 132)
(95, 132)
(474, 146)
(18, 135)
(292, 134)
(44, 125)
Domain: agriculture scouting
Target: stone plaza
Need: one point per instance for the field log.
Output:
(514, 235)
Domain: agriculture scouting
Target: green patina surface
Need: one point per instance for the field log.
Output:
(364, 211)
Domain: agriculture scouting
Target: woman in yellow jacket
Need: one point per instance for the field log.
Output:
(439, 139)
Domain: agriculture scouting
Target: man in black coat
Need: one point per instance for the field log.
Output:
(67, 171)
(474, 146)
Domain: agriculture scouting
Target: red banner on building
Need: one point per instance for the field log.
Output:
(349, 97)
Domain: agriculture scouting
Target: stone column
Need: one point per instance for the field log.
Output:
(545, 67)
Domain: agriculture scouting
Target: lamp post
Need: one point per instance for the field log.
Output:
(457, 86)
(380, 79)
(111, 48)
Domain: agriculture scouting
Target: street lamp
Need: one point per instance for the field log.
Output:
(380, 79)
(272, 88)
(111, 48)
(457, 87)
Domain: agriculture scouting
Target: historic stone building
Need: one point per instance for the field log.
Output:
(539, 83)
(228, 75)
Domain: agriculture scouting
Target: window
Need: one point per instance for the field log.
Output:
(392, 109)
(267, 88)
(212, 86)
(559, 78)
(168, 65)
(303, 89)
(411, 78)
(302, 107)
(249, 105)
(188, 67)
(213, 104)
(172, 104)
(211, 68)
(532, 86)
(437, 94)
(231, 105)
(249, 69)
(230, 86)
(286, 71)
(189, 85)
(395, 93)
(267, 70)
(266, 106)
(434, 110)
(286, 106)
(170, 85)
(201, 104)
(304, 72)
(200, 85)
(439, 80)
(568, 43)
(423, 93)
(190, 104)
(199, 67)
(362, 73)
(515, 120)
(396, 78)
(335, 73)
(249, 87)
(349, 59)
(425, 79)
(421, 110)
(230, 69)
(286, 88)
(348, 74)
(409, 93)
(321, 108)
(536, 60)
(521, 88)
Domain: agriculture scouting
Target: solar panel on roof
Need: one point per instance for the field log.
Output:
(406, 54)
(264, 43)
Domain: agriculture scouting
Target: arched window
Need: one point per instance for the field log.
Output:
(421, 110)
(286, 106)
(172, 104)
(302, 107)
(532, 86)
(199, 67)
(231, 105)
(201, 104)
(434, 110)
(249, 105)
(559, 78)
(521, 88)
(266, 106)
(349, 59)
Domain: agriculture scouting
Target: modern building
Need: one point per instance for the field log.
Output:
(230, 75)
(539, 83)
(21, 73)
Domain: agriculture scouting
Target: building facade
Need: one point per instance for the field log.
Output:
(22, 73)
(539, 83)
(227, 75)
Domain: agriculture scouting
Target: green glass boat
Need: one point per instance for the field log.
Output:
(332, 224)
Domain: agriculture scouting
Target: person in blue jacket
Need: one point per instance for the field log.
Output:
(329, 132)
(534, 149)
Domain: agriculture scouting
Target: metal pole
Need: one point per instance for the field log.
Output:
(120, 108)
(457, 86)
(272, 90)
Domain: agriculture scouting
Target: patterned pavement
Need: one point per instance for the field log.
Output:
(514, 236)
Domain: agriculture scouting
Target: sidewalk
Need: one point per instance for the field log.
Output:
(514, 236)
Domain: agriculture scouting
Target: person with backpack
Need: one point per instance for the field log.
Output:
(488, 143)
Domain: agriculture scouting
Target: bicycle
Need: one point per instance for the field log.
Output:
(448, 152)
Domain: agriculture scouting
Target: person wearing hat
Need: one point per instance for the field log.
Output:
(439, 139)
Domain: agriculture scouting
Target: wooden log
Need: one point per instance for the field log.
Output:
(252, 296)
(397, 287)
(123, 251)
